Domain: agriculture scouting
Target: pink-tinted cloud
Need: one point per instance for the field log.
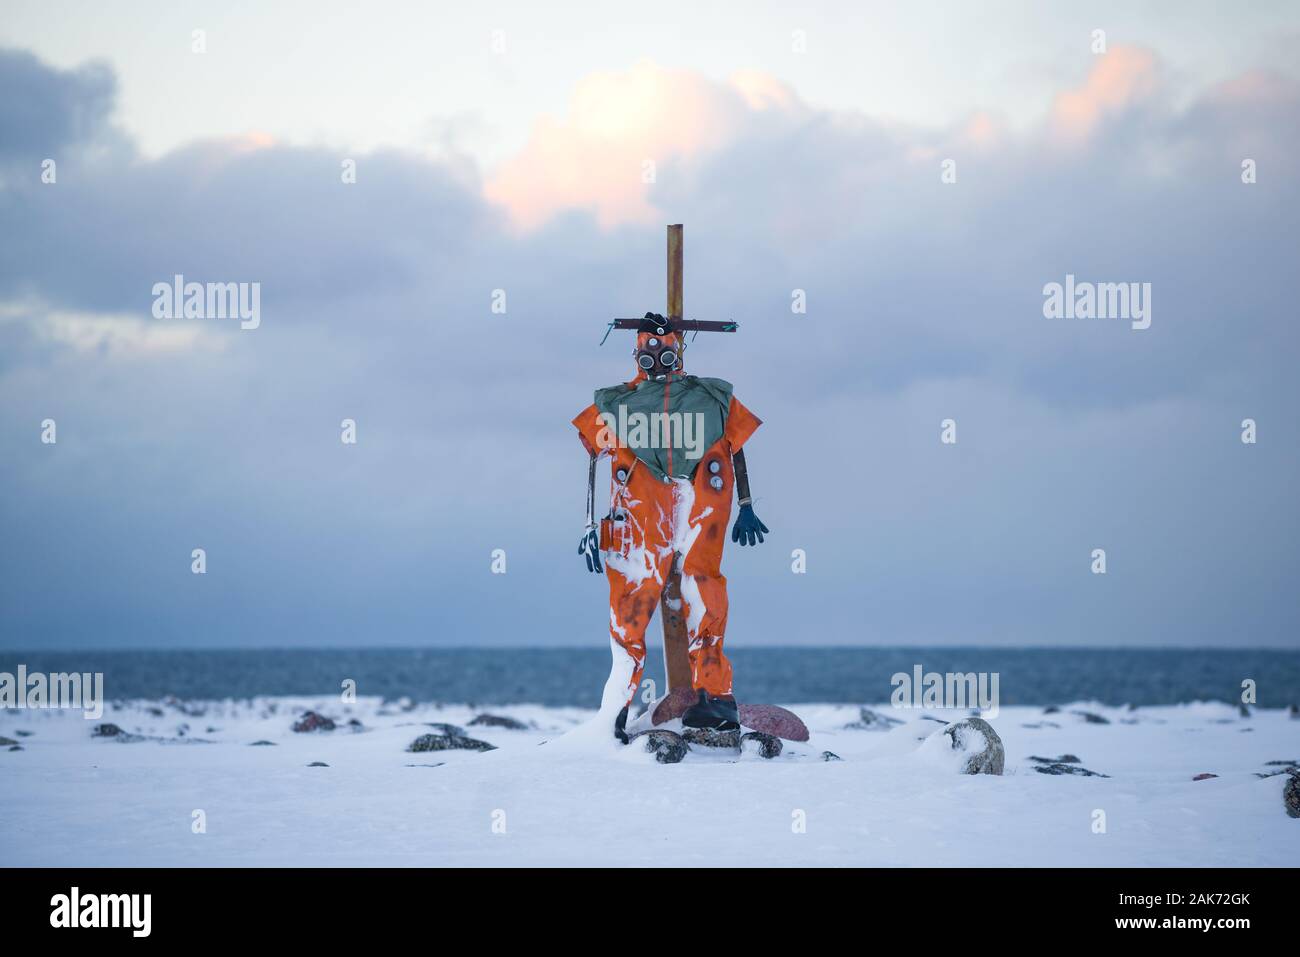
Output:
(1117, 80)
(620, 132)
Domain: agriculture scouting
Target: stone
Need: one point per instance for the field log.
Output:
(1291, 795)
(318, 764)
(454, 730)
(262, 744)
(5, 742)
(1063, 759)
(667, 747)
(709, 738)
(498, 721)
(1075, 769)
(764, 745)
(831, 756)
(311, 721)
(1091, 718)
(1204, 776)
(869, 720)
(976, 737)
(448, 742)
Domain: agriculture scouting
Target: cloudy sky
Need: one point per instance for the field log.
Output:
(505, 148)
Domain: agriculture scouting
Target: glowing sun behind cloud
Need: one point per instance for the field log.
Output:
(619, 132)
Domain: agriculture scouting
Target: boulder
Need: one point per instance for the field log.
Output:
(976, 738)
(442, 727)
(1291, 795)
(498, 721)
(709, 738)
(764, 745)
(448, 742)
(311, 721)
(1078, 770)
(869, 720)
(667, 747)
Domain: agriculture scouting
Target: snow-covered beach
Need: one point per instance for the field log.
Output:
(546, 796)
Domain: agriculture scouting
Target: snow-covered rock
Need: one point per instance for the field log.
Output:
(979, 745)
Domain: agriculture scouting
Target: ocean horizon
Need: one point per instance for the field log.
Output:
(572, 676)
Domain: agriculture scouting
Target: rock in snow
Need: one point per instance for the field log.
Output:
(667, 747)
(449, 742)
(498, 721)
(764, 745)
(311, 721)
(1059, 767)
(869, 720)
(708, 738)
(980, 742)
(454, 730)
(1291, 795)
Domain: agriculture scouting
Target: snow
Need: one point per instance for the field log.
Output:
(580, 798)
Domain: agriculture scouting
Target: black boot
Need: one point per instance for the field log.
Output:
(716, 714)
(620, 724)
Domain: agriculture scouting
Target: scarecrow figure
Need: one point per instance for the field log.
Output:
(676, 442)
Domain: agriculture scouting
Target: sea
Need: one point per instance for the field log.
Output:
(780, 675)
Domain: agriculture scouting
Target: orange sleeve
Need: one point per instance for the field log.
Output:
(595, 437)
(741, 424)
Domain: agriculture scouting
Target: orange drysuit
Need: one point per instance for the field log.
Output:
(652, 520)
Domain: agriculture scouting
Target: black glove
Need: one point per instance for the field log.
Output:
(589, 548)
(748, 527)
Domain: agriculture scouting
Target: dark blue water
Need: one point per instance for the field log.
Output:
(562, 676)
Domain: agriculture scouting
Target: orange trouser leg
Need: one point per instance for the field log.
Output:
(631, 605)
(704, 600)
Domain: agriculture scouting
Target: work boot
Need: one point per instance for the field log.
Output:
(716, 714)
(620, 726)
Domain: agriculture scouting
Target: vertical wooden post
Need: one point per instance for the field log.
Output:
(677, 659)
(675, 271)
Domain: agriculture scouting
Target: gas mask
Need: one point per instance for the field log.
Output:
(657, 355)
